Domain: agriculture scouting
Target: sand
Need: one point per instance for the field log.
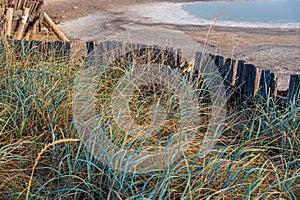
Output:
(70, 9)
(277, 49)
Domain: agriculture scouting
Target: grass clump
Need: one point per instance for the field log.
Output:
(260, 160)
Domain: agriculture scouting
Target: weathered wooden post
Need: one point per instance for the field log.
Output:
(21, 26)
(179, 59)
(55, 29)
(267, 85)
(294, 87)
(8, 21)
(245, 79)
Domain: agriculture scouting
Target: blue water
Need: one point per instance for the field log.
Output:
(260, 11)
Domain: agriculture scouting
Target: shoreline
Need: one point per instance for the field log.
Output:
(160, 13)
(242, 24)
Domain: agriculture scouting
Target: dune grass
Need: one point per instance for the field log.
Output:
(40, 154)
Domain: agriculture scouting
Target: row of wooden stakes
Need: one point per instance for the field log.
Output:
(242, 79)
(245, 80)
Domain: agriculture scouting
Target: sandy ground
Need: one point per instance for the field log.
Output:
(70, 9)
(277, 49)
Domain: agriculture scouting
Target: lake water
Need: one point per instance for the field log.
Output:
(260, 12)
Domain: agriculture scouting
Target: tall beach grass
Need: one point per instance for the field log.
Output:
(258, 155)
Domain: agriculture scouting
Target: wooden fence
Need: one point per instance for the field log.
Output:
(246, 80)
(56, 50)
(243, 79)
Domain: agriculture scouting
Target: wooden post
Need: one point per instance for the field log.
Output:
(18, 5)
(162, 57)
(227, 72)
(21, 26)
(28, 34)
(248, 77)
(31, 31)
(294, 87)
(257, 79)
(179, 59)
(234, 72)
(56, 30)
(275, 92)
(267, 84)
(149, 53)
(9, 17)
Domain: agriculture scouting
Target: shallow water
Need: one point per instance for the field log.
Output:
(259, 12)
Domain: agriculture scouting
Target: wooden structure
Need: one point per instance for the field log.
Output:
(248, 81)
(294, 88)
(25, 19)
(243, 80)
(56, 50)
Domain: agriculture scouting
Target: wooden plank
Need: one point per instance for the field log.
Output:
(257, 82)
(219, 61)
(172, 57)
(226, 71)
(18, 5)
(20, 29)
(202, 68)
(106, 54)
(90, 47)
(179, 57)
(234, 72)
(24, 4)
(275, 86)
(90, 59)
(267, 84)
(33, 46)
(247, 78)
(9, 19)
(294, 87)
(163, 57)
(237, 74)
(32, 7)
(31, 31)
(119, 50)
(56, 30)
(149, 55)
(114, 50)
